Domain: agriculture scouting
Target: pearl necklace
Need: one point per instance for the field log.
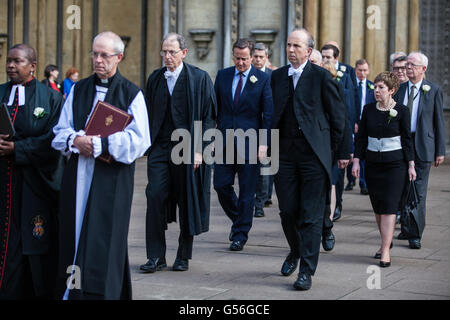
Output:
(392, 104)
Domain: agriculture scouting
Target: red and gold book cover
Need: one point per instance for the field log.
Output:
(107, 119)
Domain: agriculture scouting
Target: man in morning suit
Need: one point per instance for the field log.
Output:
(178, 96)
(425, 101)
(311, 118)
(265, 182)
(244, 100)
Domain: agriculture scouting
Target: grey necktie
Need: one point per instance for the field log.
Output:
(411, 100)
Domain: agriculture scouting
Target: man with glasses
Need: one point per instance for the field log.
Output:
(399, 68)
(177, 95)
(244, 101)
(425, 101)
(96, 196)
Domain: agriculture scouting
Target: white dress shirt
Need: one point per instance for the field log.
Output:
(415, 108)
(363, 94)
(172, 77)
(296, 73)
(236, 80)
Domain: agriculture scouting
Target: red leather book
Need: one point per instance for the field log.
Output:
(106, 120)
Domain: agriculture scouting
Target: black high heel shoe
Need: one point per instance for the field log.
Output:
(385, 264)
(378, 254)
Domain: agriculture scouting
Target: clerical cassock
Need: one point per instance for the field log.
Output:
(173, 104)
(29, 185)
(96, 196)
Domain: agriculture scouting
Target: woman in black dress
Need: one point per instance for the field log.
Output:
(384, 141)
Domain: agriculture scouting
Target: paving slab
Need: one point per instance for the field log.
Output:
(215, 273)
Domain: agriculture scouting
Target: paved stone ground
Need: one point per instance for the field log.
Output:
(216, 273)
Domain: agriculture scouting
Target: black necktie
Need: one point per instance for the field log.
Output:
(411, 99)
(237, 93)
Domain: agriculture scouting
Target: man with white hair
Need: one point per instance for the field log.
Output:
(96, 196)
(425, 101)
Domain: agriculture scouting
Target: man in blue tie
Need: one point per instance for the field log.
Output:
(365, 96)
(244, 100)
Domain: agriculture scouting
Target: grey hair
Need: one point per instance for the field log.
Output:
(423, 57)
(118, 44)
(310, 41)
(395, 55)
(316, 53)
(178, 37)
(262, 47)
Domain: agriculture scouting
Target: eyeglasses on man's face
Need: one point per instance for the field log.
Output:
(398, 69)
(412, 65)
(102, 55)
(172, 53)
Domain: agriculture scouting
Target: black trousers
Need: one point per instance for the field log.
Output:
(165, 181)
(301, 186)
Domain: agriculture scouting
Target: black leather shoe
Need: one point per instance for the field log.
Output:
(385, 264)
(259, 213)
(180, 265)
(268, 203)
(154, 264)
(289, 266)
(237, 245)
(402, 236)
(364, 191)
(328, 241)
(337, 213)
(349, 186)
(414, 244)
(303, 282)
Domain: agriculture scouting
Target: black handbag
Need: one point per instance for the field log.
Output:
(410, 214)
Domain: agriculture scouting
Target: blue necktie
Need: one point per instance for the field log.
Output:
(360, 92)
(237, 93)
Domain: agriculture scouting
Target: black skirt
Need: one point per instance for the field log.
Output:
(386, 183)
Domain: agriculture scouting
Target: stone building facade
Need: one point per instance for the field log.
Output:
(62, 30)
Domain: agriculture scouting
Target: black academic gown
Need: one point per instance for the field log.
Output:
(202, 106)
(102, 251)
(29, 186)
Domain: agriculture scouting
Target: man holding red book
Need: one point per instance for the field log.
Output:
(96, 196)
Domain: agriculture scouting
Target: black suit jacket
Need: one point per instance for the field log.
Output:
(429, 140)
(318, 108)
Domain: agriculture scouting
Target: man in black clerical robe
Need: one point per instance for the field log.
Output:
(96, 197)
(30, 172)
(177, 95)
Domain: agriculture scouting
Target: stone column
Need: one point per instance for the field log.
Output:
(413, 25)
(311, 18)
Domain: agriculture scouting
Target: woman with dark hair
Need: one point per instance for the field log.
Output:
(71, 78)
(384, 141)
(29, 182)
(51, 73)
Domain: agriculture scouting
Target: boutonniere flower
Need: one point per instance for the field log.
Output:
(392, 114)
(371, 86)
(39, 112)
(343, 68)
(339, 75)
(426, 88)
(253, 79)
